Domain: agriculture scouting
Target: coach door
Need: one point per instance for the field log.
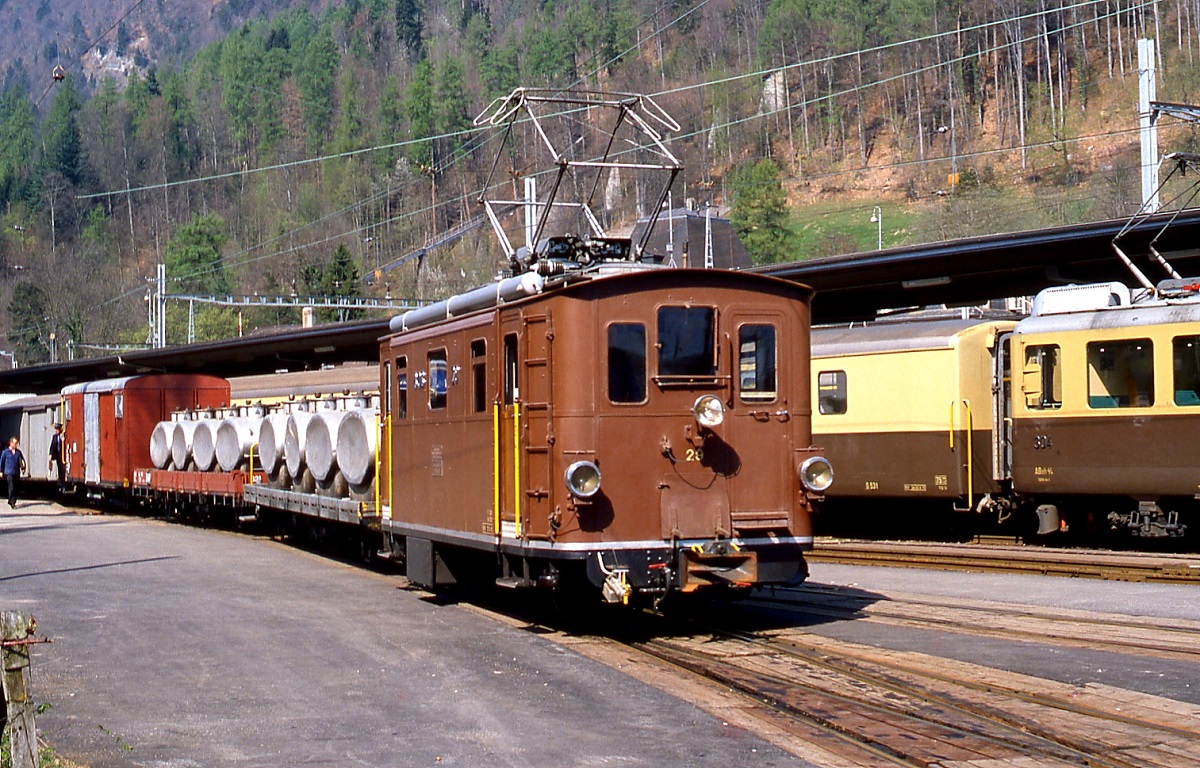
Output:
(91, 437)
(761, 429)
(1002, 407)
(524, 427)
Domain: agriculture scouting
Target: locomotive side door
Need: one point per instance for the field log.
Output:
(760, 432)
(524, 426)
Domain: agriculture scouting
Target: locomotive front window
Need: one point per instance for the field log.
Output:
(627, 363)
(1121, 374)
(831, 392)
(686, 345)
(437, 379)
(1187, 370)
(1042, 377)
(756, 362)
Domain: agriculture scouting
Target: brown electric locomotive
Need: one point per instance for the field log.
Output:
(646, 431)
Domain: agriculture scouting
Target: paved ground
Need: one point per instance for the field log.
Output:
(177, 646)
(1178, 680)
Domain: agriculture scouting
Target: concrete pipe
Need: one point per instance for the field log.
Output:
(357, 445)
(235, 438)
(161, 442)
(181, 443)
(321, 449)
(204, 444)
(294, 439)
(270, 442)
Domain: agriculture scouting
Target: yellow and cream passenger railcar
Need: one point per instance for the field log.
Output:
(1106, 412)
(907, 411)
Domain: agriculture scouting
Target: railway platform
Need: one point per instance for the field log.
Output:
(177, 646)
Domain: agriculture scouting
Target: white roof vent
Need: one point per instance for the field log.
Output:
(1081, 298)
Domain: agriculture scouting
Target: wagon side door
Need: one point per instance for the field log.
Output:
(91, 437)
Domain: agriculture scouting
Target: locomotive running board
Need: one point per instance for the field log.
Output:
(703, 569)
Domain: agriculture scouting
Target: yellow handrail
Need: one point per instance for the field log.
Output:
(378, 460)
(517, 464)
(496, 469)
(253, 479)
(952, 404)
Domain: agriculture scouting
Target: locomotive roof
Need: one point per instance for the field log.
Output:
(1156, 312)
(607, 278)
(907, 336)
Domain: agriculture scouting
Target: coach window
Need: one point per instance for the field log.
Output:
(756, 362)
(831, 392)
(1187, 370)
(627, 363)
(479, 376)
(402, 387)
(1042, 377)
(437, 379)
(1120, 374)
(686, 345)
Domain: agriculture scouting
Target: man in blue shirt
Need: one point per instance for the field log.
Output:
(12, 464)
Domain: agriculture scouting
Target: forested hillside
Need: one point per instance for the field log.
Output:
(277, 147)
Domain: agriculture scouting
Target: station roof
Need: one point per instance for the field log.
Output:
(852, 287)
(296, 349)
(973, 270)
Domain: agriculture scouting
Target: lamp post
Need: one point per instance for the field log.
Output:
(877, 220)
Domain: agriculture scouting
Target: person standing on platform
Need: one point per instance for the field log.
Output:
(12, 465)
(57, 458)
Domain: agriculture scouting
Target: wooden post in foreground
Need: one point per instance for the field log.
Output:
(16, 631)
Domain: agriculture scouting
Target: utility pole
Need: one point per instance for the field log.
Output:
(1147, 90)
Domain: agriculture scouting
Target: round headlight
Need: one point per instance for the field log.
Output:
(582, 479)
(708, 410)
(816, 473)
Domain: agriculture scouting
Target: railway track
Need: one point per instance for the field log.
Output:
(990, 557)
(849, 705)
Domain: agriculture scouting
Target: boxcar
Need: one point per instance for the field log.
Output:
(31, 419)
(649, 430)
(107, 424)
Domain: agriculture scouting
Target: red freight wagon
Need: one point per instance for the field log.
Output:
(107, 424)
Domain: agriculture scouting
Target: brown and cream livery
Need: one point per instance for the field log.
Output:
(1082, 416)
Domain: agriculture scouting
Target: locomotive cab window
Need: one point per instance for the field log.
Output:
(686, 343)
(1042, 377)
(1186, 355)
(511, 390)
(756, 362)
(627, 363)
(401, 401)
(437, 379)
(478, 376)
(1120, 374)
(831, 392)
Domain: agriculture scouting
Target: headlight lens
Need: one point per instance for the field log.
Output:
(816, 473)
(709, 410)
(582, 479)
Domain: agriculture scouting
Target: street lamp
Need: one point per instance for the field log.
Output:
(877, 220)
